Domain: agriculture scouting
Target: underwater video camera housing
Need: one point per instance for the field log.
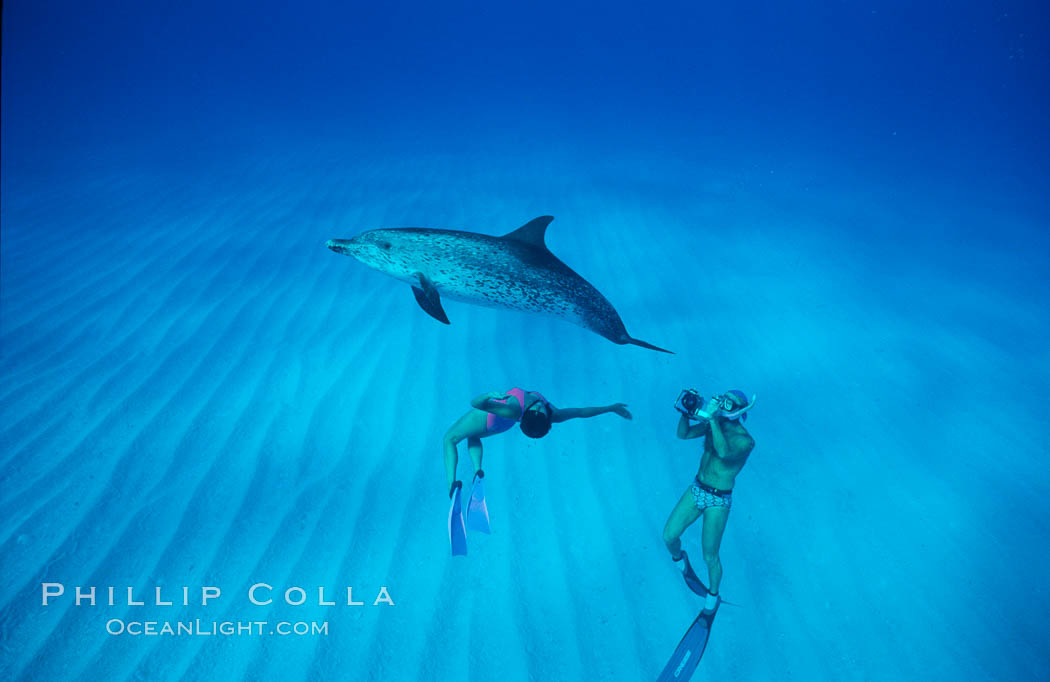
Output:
(692, 405)
(689, 403)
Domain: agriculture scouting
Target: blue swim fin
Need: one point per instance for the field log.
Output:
(691, 580)
(477, 512)
(457, 532)
(687, 656)
(695, 584)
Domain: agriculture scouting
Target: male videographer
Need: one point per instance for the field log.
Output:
(727, 445)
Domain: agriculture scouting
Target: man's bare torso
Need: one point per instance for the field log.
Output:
(719, 472)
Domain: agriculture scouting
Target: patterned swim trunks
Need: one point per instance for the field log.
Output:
(705, 496)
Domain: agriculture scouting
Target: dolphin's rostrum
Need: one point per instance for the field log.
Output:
(515, 271)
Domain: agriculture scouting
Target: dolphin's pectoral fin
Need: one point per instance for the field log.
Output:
(532, 232)
(428, 298)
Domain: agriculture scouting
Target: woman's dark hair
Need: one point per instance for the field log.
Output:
(536, 424)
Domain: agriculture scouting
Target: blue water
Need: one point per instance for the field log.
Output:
(842, 208)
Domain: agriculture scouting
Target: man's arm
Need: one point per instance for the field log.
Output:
(560, 414)
(685, 431)
(738, 447)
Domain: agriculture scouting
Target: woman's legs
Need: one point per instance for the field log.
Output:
(470, 426)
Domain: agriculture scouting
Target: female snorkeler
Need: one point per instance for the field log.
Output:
(494, 413)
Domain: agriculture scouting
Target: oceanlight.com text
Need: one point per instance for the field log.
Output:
(205, 628)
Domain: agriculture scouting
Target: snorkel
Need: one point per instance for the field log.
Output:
(739, 407)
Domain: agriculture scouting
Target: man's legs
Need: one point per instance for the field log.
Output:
(714, 527)
(682, 516)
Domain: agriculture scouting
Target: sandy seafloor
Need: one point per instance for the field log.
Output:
(196, 392)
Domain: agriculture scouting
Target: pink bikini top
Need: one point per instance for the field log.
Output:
(497, 424)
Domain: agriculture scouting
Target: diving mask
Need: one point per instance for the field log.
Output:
(734, 404)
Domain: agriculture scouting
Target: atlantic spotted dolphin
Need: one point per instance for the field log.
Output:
(515, 271)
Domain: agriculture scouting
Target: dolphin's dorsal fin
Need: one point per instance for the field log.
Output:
(532, 232)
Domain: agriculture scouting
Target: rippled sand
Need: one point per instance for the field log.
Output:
(196, 392)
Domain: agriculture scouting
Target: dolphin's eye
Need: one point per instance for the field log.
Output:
(384, 245)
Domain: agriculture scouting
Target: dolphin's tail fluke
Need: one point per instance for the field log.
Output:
(643, 344)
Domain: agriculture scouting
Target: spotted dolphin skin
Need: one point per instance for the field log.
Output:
(515, 271)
